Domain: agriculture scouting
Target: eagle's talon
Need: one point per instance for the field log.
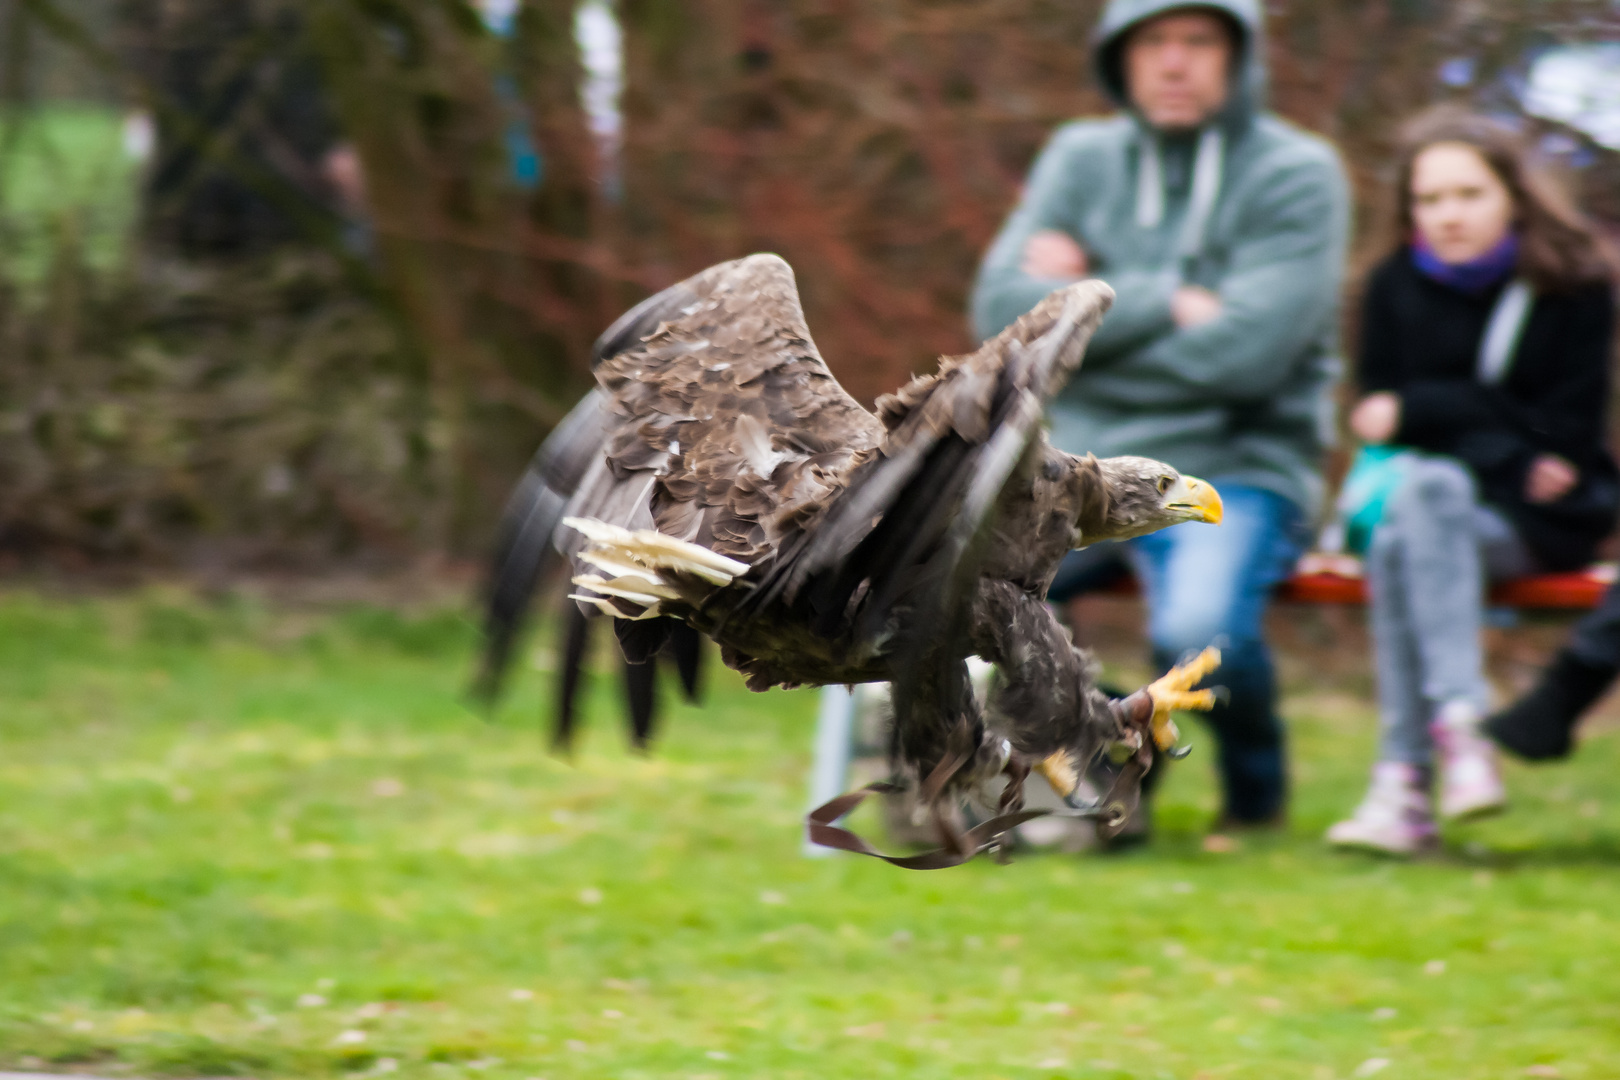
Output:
(1060, 771)
(1082, 806)
(1094, 810)
(1185, 676)
(1165, 701)
(1174, 690)
(1176, 753)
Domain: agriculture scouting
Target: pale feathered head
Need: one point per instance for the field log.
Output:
(1145, 496)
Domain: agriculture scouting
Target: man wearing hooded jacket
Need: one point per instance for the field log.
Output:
(1222, 229)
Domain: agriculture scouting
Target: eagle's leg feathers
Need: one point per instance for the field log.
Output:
(1045, 698)
(1047, 702)
(1174, 690)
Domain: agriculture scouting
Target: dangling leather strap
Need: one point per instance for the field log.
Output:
(1111, 811)
(976, 840)
(959, 847)
(1135, 711)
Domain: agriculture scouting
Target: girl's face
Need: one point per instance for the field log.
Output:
(1459, 204)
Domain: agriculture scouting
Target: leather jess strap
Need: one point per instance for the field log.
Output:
(980, 838)
(958, 846)
(1111, 812)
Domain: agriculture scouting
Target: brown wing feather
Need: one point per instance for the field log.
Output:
(951, 436)
(725, 420)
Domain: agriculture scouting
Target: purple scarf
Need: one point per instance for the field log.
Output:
(1473, 276)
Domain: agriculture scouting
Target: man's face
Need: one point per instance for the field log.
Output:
(1176, 68)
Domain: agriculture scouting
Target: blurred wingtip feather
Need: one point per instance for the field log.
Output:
(524, 545)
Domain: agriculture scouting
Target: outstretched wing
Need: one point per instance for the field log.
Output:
(723, 420)
(526, 537)
(907, 521)
(714, 412)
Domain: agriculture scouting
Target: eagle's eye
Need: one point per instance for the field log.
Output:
(1164, 484)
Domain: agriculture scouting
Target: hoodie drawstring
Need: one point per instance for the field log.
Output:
(1149, 182)
(1206, 188)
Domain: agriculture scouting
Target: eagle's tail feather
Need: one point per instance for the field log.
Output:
(518, 564)
(686, 648)
(576, 639)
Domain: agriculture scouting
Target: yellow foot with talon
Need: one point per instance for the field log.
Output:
(1060, 772)
(1173, 690)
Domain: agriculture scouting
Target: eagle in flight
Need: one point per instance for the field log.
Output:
(721, 478)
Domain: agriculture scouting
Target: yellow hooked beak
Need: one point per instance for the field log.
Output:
(1197, 498)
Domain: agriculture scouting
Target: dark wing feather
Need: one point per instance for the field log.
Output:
(629, 329)
(911, 512)
(524, 538)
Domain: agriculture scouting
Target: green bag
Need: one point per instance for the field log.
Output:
(1374, 475)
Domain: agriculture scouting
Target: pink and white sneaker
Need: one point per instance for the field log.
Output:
(1470, 778)
(1394, 818)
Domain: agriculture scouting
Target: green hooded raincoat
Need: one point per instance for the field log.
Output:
(1249, 207)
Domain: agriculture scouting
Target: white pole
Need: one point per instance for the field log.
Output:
(835, 722)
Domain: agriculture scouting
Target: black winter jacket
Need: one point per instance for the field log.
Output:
(1420, 339)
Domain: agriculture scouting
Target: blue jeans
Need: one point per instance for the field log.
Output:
(1206, 584)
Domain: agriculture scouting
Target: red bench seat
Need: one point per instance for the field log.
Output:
(1337, 579)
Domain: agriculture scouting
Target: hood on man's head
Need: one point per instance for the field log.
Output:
(1120, 16)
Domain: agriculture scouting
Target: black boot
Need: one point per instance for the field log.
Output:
(1539, 726)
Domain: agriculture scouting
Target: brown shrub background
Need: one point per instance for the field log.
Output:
(876, 144)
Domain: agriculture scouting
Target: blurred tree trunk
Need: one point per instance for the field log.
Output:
(876, 144)
(575, 231)
(507, 288)
(412, 80)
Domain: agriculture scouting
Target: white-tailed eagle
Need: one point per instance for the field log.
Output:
(720, 477)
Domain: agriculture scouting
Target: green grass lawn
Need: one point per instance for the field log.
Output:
(244, 840)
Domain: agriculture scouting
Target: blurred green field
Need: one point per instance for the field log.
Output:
(65, 180)
(242, 839)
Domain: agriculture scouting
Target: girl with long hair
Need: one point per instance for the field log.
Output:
(1485, 345)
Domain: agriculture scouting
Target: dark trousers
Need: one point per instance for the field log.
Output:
(1596, 638)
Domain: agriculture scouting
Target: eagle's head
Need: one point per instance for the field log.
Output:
(1143, 496)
